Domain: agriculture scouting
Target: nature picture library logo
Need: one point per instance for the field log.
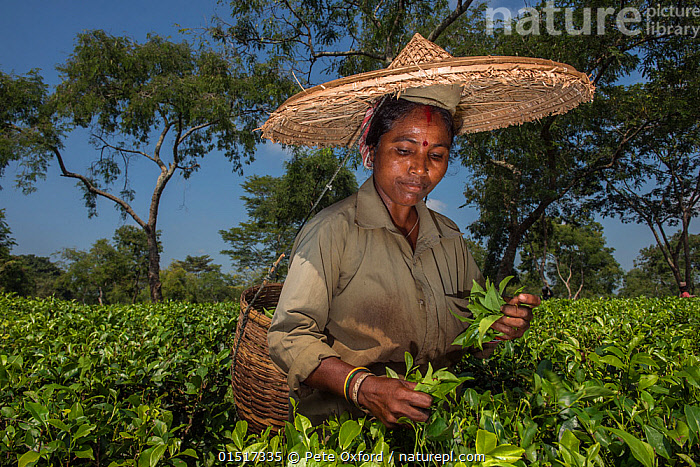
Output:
(656, 20)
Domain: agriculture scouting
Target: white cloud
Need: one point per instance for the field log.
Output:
(274, 150)
(436, 205)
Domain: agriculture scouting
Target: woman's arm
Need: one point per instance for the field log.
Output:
(388, 399)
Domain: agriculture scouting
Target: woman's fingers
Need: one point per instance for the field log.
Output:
(390, 399)
(518, 314)
(511, 328)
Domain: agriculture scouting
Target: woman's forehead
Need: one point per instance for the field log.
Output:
(418, 125)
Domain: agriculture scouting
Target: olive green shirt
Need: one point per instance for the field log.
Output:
(356, 290)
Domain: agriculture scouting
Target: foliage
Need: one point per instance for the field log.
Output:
(660, 185)
(344, 36)
(485, 305)
(35, 276)
(570, 256)
(593, 382)
(136, 99)
(277, 206)
(651, 276)
(605, 382)
(26, 275)
(108, 273)
(197, 280)
(6, 240)
(550, 166)
(25, 123)
(118, 385)
(14, 277)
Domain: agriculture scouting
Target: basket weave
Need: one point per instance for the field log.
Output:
(496, 92)
(259, 389)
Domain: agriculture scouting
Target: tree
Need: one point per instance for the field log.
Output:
(197, 265)
(278, 205)
(651, 275)
(660, 185)
(346, 36)
(197, 280)
(131, 245)
(139, 101)
(91, 275)
(550, 167)
(519, 173)
(570, 257)
(108, 272)
(42, 274)
(13, 276)
(26, 275)
(6, 240)
(25, 126)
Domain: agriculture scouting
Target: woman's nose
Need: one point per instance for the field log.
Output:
(419, 163)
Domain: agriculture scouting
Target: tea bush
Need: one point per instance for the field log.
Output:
(113, 385)
(594, 382)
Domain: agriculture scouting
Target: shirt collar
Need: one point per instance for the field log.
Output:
(371, 213)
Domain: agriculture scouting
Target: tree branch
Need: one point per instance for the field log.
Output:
(388, 49)
(93, 189)
(506, 165)
(159, 144)
(194, 129)
(348, 54)
(121, 149)
(458, 11)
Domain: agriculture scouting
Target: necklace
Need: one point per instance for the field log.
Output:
(414, 226)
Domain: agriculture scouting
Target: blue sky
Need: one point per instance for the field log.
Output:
(40, 34)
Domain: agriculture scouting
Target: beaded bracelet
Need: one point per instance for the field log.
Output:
(348, 378)
(356, 388)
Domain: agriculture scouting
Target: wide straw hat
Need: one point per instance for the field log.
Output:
(496, 92)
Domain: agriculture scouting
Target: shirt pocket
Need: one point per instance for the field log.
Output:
(449, 270)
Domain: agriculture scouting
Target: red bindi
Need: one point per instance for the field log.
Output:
(425, 143)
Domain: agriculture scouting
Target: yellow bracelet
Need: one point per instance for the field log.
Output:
(348, 378)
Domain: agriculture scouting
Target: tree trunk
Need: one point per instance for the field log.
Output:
(153, 265)
(505, 269)
(136, 286)
(686, 254)
(515, 236)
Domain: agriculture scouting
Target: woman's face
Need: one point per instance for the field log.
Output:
(411, 158)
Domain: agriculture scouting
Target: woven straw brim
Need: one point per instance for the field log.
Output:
(497, 92)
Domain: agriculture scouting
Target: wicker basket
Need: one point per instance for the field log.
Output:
(259, 389)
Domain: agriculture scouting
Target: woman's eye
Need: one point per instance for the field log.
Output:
(437, 157)
(402, 151)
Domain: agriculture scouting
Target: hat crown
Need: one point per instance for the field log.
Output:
(419, 50)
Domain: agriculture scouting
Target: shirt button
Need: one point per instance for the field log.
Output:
(421, 302)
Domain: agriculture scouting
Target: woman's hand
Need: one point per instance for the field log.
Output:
(389, 399)
(518, 314)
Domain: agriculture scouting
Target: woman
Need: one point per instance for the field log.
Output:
(377, 274)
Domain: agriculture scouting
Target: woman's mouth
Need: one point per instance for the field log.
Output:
(413, 187)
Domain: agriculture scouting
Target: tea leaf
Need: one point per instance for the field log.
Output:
(27, 458)
(348, 432)
(692, 417)
(484, 326)
(640, 450)
(485, 442)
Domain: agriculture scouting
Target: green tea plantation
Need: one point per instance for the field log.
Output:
(593, 383)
